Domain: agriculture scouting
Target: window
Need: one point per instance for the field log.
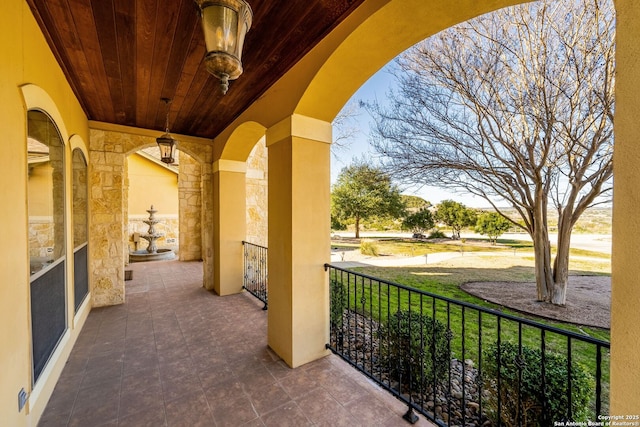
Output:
(46, 208)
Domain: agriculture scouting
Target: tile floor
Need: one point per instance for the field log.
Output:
(177, 355)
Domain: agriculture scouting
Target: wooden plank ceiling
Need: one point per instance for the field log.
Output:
(122, 56)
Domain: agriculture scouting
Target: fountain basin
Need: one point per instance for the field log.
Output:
(160, 255)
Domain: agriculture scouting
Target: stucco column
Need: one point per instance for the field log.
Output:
(229, 225)
(625, 269)
(299, 238)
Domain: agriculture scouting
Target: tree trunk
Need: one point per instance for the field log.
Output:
(357, 227)
(561, 263)
(544, 277)
(542, 249)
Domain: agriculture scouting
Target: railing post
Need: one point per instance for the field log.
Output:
(255, 276)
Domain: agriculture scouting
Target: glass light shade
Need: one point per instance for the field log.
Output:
(225, 24)
(167, 147)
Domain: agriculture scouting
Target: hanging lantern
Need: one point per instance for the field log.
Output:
(166, 143)
(225, 24)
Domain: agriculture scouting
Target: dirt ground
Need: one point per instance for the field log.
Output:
(588, 299)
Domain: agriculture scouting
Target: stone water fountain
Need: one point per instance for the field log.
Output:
(151, 253)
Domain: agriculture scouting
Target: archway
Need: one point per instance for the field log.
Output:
(109, 208)
(230, 218)
(357, 52)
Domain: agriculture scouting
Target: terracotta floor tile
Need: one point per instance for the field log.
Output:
(368, 410)
(146, 417)
(135, 399)
(265, 399)
(50, 419)
(190, 410)
(233, 413)
(174, 387)
(287, 415)
(320, 407)
(299, 383)
(211, 376)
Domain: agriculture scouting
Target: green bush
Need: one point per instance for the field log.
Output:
(414, 345)
(533, 401)
(337, 224)
(437, 234)
(368, 248)
(338, 301)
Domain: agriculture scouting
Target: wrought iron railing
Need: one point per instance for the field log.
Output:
(255, 271)
(462, 364)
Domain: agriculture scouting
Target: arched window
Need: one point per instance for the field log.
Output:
(46, 207)
(80, 228)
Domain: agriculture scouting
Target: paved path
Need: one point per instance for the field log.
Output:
(355, 259)
(351, 259)
(592, 242)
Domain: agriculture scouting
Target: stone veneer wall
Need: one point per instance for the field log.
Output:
(80, 202)
(109, 224)
(107, 175)
(109, 229)
(41, 238)
(190, 208)
(257, 194)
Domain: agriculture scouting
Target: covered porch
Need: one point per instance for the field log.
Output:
(176, 354)
(114, 107)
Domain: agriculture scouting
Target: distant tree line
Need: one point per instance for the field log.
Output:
(363, 192)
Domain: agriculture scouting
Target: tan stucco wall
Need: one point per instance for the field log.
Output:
(151, 184)
(40, 184)
(26, 59)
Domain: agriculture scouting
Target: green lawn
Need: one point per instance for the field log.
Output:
(472, 329)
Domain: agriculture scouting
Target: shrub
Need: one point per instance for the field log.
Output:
(337, 224)
(414, 345)
(537, 409)
(338, 302)
(437, 234)
(368, 248)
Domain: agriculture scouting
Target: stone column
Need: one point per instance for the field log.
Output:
(190, 206)
(125, 211)
(229, 227)
(299, 238)
(207, 226)
(107, 234)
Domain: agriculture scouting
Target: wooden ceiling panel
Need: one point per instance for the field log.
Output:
(145, 39)
(125, 24)
(89, 73)
(122, 56)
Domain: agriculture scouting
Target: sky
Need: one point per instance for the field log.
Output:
(358, 147)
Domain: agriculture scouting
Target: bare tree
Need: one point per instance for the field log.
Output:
(517, 106)
(345, 127)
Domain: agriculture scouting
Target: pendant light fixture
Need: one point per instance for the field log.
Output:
(166, 143)
(225, 24)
